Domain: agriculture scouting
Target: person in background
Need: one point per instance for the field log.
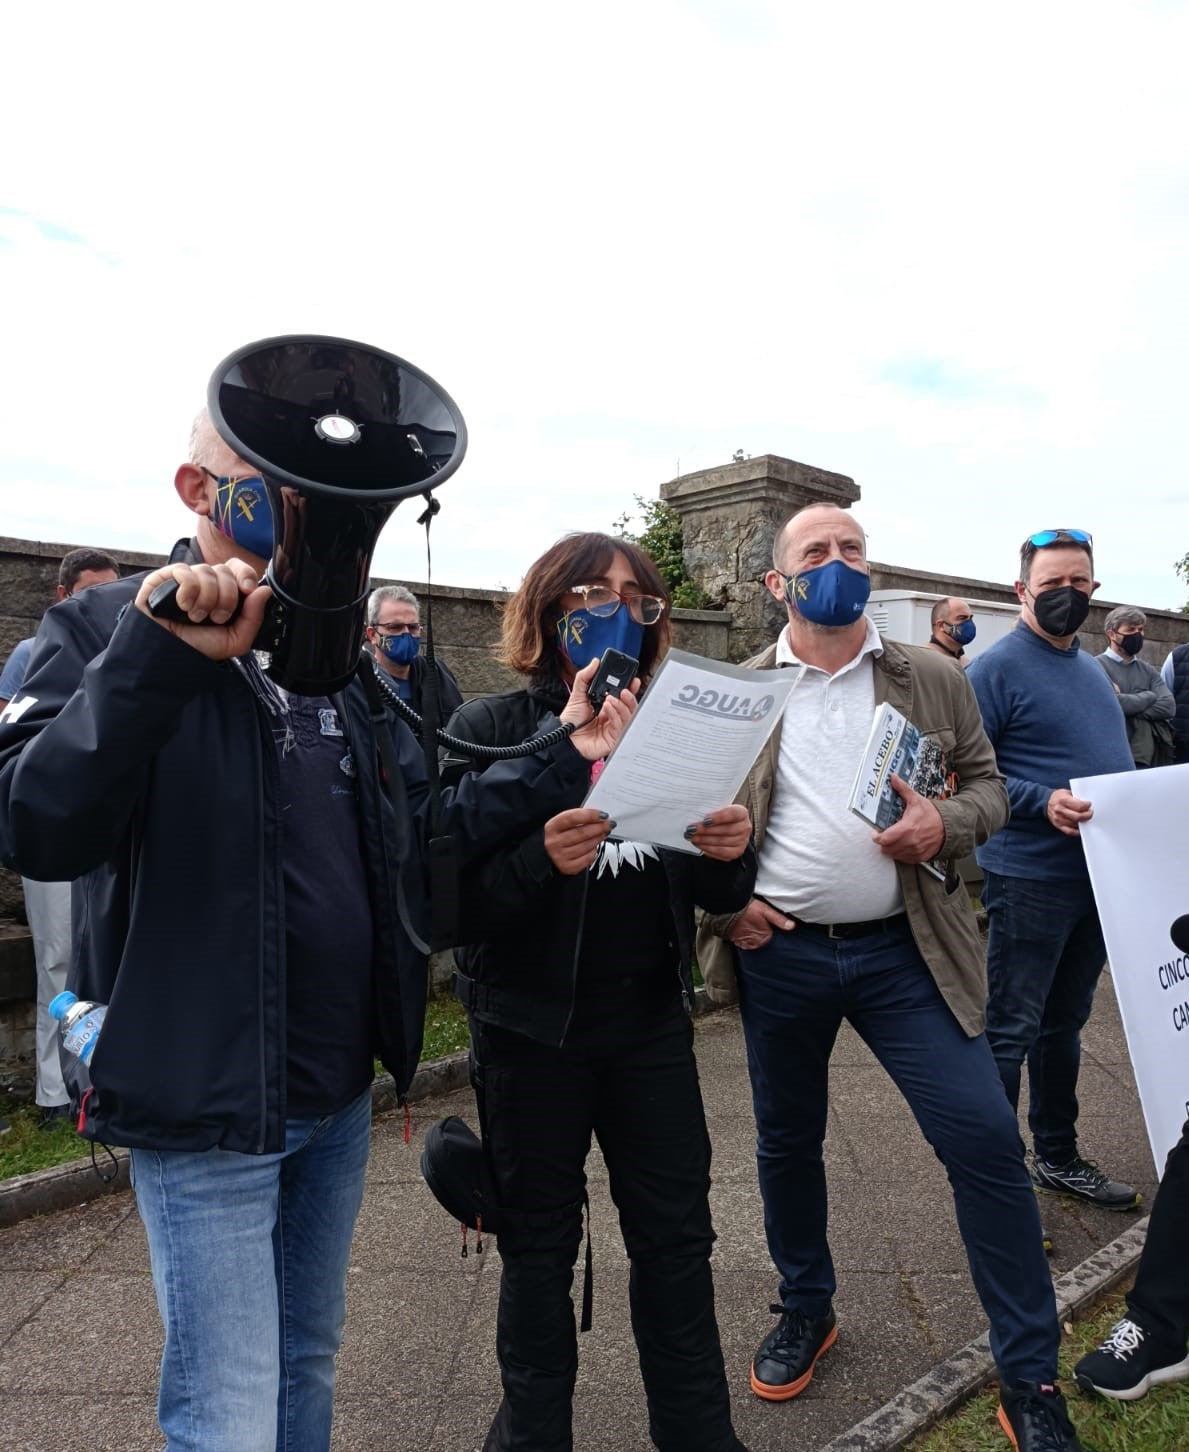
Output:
(394, 634)
(577, 981)
(79, 570)
(47, 904)
(1052, 716)
(1148, 704)
(1175, 675)
(951, 627)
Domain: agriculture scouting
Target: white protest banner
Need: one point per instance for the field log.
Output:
(1137, 869)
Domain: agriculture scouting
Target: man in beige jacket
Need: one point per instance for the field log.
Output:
(850, 924)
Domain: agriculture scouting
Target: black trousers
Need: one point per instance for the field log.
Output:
(627, 1074)
(1159, 1301)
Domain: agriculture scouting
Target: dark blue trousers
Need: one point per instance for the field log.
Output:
(1045, 953)
(794, 995)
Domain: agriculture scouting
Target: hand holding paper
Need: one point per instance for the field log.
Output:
(1067, 812)
(723, 835)
(572, 839)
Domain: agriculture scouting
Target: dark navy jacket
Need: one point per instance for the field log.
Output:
(147, 771)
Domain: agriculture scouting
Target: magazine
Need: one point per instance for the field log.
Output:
(896, 748)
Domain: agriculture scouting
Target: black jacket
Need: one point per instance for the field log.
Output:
(148, 772)
(449, 695)
(519, 967)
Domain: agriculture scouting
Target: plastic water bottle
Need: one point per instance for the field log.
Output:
(80, 1024)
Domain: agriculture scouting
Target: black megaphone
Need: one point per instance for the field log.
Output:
(340, 433)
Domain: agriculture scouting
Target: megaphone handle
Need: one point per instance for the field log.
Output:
(164, 605)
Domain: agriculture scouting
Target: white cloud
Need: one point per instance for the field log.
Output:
(620, 237)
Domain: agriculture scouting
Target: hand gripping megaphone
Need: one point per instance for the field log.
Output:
(340, 433)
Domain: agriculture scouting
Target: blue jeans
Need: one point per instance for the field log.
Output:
(1044, 956)
(249, 1256)
(794, 994)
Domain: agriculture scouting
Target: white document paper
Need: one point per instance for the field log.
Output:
(1135, 851)
(700, 725)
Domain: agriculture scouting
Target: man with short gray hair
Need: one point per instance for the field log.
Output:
(1147, 702)
(394, 635)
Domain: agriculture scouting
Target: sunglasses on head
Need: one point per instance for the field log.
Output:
(1045, 537)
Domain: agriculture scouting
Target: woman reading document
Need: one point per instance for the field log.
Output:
(578, 984)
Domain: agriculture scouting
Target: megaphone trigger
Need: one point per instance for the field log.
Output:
(163, 603)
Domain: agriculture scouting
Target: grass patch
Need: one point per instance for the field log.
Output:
(1157, 1423)
(26, 1147)
(446, 1028)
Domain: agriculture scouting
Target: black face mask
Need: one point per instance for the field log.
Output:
(1059, 612)
(1131, 644)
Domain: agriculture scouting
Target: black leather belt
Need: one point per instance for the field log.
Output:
(897, 922)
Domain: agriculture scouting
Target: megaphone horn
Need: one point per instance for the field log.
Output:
(340, 433)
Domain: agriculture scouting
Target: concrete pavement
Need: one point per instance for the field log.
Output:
(79, 1335)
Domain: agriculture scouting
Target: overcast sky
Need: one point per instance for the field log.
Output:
(941, 248)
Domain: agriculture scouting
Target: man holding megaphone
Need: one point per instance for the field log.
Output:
(251, 875)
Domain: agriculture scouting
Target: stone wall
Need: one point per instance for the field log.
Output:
(466, 621)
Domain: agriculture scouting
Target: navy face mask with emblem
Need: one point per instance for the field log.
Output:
(582, 636)
(964, 632)
(243, 512)
(832, 594)
(400, 649)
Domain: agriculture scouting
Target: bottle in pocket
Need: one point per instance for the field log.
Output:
(79, 1023)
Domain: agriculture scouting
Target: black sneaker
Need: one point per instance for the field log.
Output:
(1127, 1364)
(1034, 1417)
(1084, 1181)
(783, 1366)
(53, 1114)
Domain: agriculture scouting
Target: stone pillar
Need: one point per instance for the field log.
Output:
(729, 516)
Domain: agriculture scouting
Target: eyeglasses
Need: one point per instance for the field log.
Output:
(602, 601)
(1045, 537)
(390, 630)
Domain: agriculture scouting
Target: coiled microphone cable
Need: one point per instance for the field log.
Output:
(460, 743)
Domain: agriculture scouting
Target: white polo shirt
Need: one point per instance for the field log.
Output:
(818, 861)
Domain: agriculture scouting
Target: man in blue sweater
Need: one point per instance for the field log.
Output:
(1051, 715)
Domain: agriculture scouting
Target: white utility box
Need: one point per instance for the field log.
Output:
(904, 615)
